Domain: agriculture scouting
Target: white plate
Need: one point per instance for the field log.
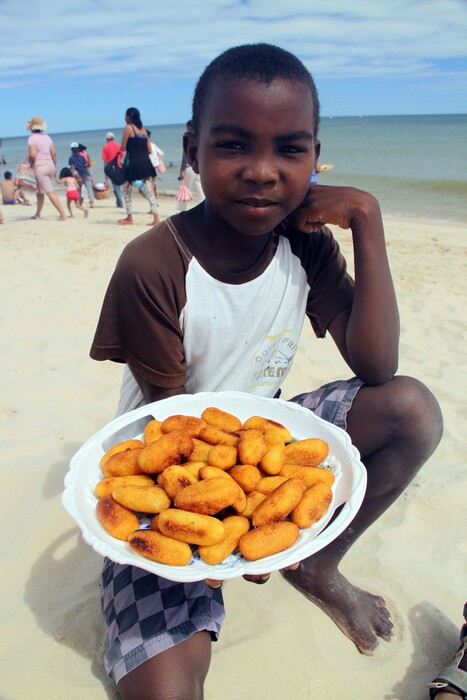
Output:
(348, 489)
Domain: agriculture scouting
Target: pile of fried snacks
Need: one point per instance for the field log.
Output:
(215, 483)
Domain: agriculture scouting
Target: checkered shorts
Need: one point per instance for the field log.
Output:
(146, 614)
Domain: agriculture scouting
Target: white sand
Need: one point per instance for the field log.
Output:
(274, 643)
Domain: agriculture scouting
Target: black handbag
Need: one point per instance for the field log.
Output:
(116, 171)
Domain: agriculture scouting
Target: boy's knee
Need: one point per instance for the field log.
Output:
(418, 412)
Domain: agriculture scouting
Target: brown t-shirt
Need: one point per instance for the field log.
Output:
(176, 324)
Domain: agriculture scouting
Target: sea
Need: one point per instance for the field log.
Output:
(416, 166)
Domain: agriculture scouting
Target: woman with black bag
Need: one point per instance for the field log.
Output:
(138, 166)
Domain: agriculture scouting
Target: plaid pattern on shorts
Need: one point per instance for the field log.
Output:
(332, 401)
(146, 614)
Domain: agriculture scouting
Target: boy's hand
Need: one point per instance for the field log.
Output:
(264, 578)
(255, 578)
(213, 583)
(325, 204)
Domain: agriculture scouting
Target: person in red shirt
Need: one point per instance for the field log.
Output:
(109, 151)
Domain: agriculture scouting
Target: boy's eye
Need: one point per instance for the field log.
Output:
(289, 149)
(230, 145)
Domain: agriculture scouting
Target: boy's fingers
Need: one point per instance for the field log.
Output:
(258, 578)
(292, 567)
(301, 222)
(213, 583)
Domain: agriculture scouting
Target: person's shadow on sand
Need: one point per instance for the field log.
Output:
(435, 640)
(63, 593)
(63, 589)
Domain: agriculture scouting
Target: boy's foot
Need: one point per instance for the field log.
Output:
(70, 216)
(63, 218)
(125, 222)
(35, 217)
(361, 616)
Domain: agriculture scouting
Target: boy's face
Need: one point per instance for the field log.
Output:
(255, 151)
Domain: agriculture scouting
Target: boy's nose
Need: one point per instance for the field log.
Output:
(261, 171)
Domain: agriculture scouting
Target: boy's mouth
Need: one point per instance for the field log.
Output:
(255, 203)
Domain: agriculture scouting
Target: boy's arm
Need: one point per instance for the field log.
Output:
(155, 393)
(367, 333)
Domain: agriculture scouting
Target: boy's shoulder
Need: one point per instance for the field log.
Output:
(156, 249)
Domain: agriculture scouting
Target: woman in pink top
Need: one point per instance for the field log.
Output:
(43, 160)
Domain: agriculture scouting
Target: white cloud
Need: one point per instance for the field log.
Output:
(96, 38)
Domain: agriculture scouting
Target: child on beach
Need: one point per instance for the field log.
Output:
(202, 301)
(11, 193)
(72, 192)
(9, 189)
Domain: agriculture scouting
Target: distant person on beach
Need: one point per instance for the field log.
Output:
(80, 171)
(11, 193)
(43, 160)
(109, 151)
(156, 159)
(137, 146)
(200, 302)
(82, 150)
(8, 188)
(188, 177)
(72, 193)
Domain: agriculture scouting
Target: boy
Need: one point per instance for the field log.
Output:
(11, 194)
(191, 307)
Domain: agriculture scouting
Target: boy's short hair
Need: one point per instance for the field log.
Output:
(261, 62)
(7, 175)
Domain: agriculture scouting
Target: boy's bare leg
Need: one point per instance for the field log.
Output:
(177, 673)
(396, 427)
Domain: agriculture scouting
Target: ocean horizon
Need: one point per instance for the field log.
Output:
(413, 164)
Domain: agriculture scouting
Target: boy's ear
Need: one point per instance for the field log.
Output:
(190, 146)
(317, 150)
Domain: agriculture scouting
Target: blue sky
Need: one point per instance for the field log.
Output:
(79, 65)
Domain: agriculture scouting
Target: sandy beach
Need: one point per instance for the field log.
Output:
(274, 643)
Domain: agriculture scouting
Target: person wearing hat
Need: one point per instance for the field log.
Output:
(80, 171)
(43, 161)
(109, 151)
